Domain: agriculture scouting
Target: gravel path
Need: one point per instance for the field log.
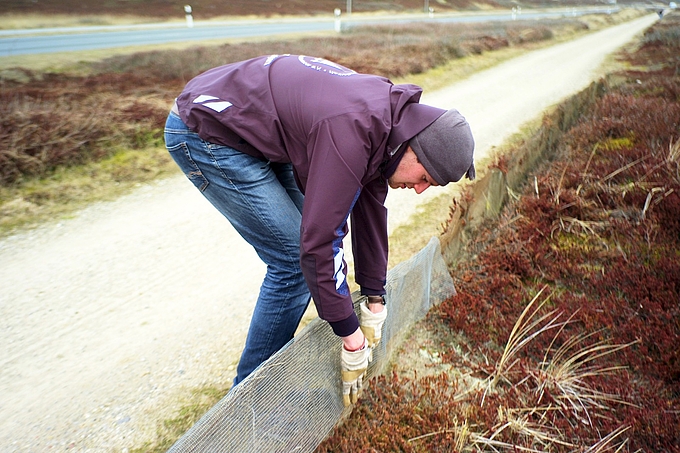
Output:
(107, 318)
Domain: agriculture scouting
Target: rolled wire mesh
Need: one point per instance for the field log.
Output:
(294, 399)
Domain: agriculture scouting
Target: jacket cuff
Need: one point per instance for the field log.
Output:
(346, 326)
(372, 292)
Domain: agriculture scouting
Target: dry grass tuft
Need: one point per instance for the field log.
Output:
(527, 327)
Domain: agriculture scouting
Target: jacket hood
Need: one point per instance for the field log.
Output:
(408, 116)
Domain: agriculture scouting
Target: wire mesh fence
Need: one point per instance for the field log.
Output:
(294, 399)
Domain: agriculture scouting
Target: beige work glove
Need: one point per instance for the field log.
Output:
(371, 323)
(354, 365)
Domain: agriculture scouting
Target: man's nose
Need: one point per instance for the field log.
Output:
(421, 186)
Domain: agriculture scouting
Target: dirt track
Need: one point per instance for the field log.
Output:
(109, 316)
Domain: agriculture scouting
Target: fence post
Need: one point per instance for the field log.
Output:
(338, 26)
(190, 18)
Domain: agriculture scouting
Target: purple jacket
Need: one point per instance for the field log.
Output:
(338, 129)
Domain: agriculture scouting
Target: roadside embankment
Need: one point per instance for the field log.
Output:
(563, 333)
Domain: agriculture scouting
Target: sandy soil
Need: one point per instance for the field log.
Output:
(108, 318)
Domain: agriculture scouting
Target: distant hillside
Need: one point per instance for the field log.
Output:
(212, 8)
(204, 9)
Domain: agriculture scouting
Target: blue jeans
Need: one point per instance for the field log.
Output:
(263, 203)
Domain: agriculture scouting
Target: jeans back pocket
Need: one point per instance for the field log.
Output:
(180, 154)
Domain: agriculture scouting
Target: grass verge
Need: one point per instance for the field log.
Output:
(197, 403)
(39, 201)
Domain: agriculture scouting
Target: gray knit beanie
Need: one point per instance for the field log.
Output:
(446, 147)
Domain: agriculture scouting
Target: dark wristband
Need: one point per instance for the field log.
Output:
(372, 299)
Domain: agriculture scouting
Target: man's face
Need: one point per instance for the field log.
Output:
(410, 174)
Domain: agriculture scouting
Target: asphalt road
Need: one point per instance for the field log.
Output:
(45, 41)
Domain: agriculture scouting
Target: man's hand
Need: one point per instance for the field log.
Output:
(372, 323)
(354, 364)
